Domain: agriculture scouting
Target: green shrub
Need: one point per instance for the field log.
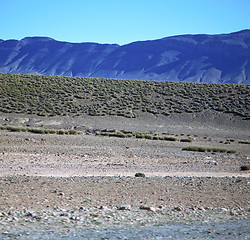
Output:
(61, 132)
(119, 134)
(148, 136)
(40, 130)
(36, 130)
(16, 129)
(231, 151)
(52, 131)
(74, 132)
(156, 137)
(207, 149)
(189, 140)
(244, 142)
(173, 139)
(220, 150)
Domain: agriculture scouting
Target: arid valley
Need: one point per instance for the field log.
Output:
(85, 183)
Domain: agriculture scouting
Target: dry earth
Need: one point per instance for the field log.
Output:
(87, 178)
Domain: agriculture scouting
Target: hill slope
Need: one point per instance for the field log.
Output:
(221, 58)
(54, 95)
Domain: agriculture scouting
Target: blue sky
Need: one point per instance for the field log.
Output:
(120, 21)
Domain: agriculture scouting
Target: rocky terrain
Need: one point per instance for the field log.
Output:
(222, 58)
(84, 186)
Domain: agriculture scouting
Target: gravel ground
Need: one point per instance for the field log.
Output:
(83, 187)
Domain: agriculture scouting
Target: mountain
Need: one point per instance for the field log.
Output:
(222, 58)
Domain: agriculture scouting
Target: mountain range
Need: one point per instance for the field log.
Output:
(220, 58)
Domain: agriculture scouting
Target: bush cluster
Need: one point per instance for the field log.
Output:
(207, 149)
(40, 130)
(140, 135)
(244, 142)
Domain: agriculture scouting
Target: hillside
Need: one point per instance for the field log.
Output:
(222, 58)
(61, 96)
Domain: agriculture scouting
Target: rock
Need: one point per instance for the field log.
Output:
(82, 208)
(124, 207)
(2, 214)
(232, 212)
(223, 210)
(29, 214)
(140, 175)
(151, 209)
(104, 208)
(179, 209)
(201, 209)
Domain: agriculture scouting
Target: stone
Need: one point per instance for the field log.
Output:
(82, 208)
(179, 209)
(104, 208)
(223, 210)
(151, 209)
(201, 209)
(232, 212)
(124, 207)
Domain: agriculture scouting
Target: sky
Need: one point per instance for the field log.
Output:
(120, 21)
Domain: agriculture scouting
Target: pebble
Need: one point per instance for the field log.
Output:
(124, 207)
(201, 209)
(179, 209)
(223, 209)
(95, 219)
(151, 209)
(104, 208)
(82, 208)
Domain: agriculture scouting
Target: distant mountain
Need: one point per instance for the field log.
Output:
(223, 58)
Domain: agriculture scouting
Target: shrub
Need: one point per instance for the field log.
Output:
(170, 139)
(61, 132)
(129, 135)
(148, 136)
(207, 149)
(220, 150)
(16, 129)
(244, 142)
(231, 151)
(36, 130)
(139, 135)
(186, 140)
(74, 132)
(52, 131)
(119, 134)
(40, 130)
(156, 137)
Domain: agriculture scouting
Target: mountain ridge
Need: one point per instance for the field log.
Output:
(219, 58)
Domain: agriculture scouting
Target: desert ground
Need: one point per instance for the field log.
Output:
(60, 184)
